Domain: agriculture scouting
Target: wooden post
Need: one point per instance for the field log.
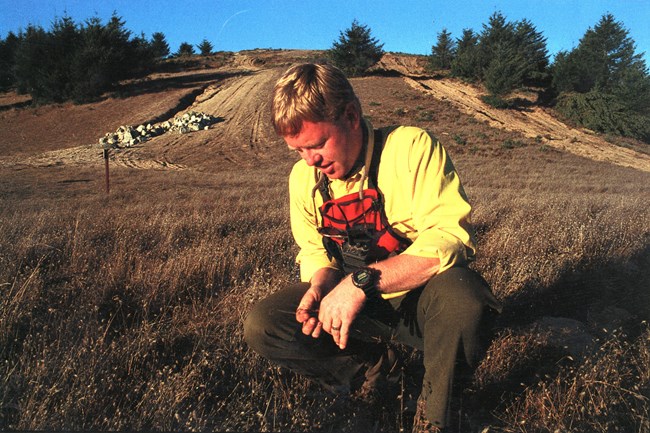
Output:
(108, 187)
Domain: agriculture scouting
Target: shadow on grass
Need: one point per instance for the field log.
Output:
(582, 293)
(588, 294)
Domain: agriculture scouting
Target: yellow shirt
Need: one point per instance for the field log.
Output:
(423, 200)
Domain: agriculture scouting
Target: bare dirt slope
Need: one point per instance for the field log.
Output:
(237, 93)
(243, 133)
(533, 122)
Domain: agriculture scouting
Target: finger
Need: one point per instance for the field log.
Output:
(335, 331)
(302, 314)
(317, 330)
(343, 336)
(309, 325)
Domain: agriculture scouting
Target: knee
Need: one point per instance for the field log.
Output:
(459, 294)
(256, 327)
(271, 322)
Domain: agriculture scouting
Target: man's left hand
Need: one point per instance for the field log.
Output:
(339, 309)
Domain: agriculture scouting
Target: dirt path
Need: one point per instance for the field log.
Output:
(244, 106)
(533, 122)
(241, 137)
(241, 102)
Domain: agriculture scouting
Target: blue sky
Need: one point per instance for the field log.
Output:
(404, 26)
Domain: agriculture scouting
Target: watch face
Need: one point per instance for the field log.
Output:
(362, 277)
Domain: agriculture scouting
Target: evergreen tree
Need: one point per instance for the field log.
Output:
(497, 34)
(443, 53)
(603, 84)
(78, 62)
(564, 72)
(8, 48)
(205, 47)
(632, 88)
(532, 47)
(122, 52)
(511, 54)
(106, 55)
(356, 50)
(505, 71)
(159, 45)
(465, 64)
(57, 76)
(609, 52)
(30, 61)
(142, 55)
(605, 59)
(501, 62)
(185, 49)
(90, 72)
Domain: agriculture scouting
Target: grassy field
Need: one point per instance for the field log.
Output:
(124, 311)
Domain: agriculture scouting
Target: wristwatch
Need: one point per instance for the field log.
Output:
(366, 279)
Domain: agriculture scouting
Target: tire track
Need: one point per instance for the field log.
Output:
(244, 103)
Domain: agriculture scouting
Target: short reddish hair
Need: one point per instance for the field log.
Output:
(310, 92)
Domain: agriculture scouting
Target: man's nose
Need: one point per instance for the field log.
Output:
(312, 158)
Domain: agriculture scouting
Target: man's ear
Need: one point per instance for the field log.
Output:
(352, 114)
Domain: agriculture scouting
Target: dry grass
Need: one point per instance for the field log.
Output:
(125, 312)
(608, 391)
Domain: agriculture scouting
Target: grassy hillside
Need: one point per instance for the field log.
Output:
(124, 311)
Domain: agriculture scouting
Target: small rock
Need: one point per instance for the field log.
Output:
(567, 333)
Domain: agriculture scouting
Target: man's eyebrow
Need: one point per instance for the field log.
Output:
(319, 143)
(310, 146)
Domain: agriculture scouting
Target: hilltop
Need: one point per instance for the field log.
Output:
(235, 88)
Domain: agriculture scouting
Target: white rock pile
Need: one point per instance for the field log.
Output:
(127, 136)
(190, 121)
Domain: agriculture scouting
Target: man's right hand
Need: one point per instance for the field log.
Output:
(307, 312)
(322, 282)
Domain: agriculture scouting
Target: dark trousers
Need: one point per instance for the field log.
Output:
(442, 319)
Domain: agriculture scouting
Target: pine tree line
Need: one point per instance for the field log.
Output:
(504, 56)
(72, 62)
(602, 84)
(80, 62)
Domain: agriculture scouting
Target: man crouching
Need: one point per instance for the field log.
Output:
(383, 226)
